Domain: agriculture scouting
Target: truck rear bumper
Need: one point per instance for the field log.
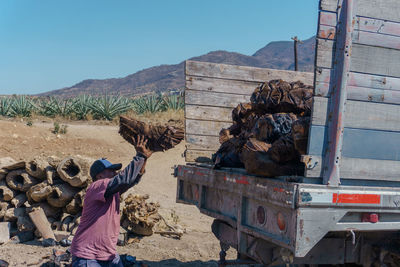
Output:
(289, 215)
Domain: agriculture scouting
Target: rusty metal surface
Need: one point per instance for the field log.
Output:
(234, 197)
(263, 189)
(269, 228)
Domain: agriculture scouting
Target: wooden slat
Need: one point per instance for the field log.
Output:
(363, 115)
(364, 59)
(363, 169)
(193, 97)
(359, 143)
(326, 32)
(198, 156)
(220, 85)
(250, 74)
(202, 142)
(378, 26)
(360, 40)
(328, 5)
(361, 86)
(205, 127)
(379, 9)
(374, 81)
(372, 95)
(323, 75)
(324, 53)
(367, 31)
(361, 93)
(208, 113)
(327, 18)
(376, 39)
(375, 60)
(322, 89)
(362, 80)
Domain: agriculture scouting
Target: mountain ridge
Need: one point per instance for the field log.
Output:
(167, 77)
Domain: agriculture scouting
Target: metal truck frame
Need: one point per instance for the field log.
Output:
(345, 209)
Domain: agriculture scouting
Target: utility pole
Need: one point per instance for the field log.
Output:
(296, 41)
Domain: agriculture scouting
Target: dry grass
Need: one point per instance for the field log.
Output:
(174, 117)
(171, 117)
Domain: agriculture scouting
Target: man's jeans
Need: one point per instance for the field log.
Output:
(80, 262)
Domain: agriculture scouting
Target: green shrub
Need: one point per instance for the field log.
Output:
(84, 106)
(56, 107)
(21, 106)
(5, 106)
(150, 104)
(81, 106)
(108, 107)
(174, 102)
(59, 129)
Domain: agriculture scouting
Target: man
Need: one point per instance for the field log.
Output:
(96, 239)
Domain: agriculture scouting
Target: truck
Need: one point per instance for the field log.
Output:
(345, 208)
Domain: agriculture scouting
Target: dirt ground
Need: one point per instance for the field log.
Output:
(198, 247)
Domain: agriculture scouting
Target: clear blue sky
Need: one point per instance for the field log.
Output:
(47, 44)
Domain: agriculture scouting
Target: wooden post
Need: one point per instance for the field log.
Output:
(296, 41)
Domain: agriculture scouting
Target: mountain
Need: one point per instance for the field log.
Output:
(275, 55)
(279, 55)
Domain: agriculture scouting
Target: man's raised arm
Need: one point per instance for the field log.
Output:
(131, 175)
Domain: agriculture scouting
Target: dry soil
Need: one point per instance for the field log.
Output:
(198, 247)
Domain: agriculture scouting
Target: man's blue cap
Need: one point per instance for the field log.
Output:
(100, 165)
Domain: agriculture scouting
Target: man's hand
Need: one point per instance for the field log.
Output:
(140, 146)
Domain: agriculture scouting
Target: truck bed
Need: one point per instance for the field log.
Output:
(346, 206)
(358, 64)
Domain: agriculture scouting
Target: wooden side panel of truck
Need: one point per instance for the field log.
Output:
(371, 137)
(212, 92)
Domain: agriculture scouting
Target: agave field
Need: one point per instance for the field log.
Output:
(106, 107)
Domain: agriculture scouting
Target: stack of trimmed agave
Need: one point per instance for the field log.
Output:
(57, 186)
(269, 134)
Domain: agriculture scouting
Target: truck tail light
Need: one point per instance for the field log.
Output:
(280, 219)
(370, 217)
(261, 216)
